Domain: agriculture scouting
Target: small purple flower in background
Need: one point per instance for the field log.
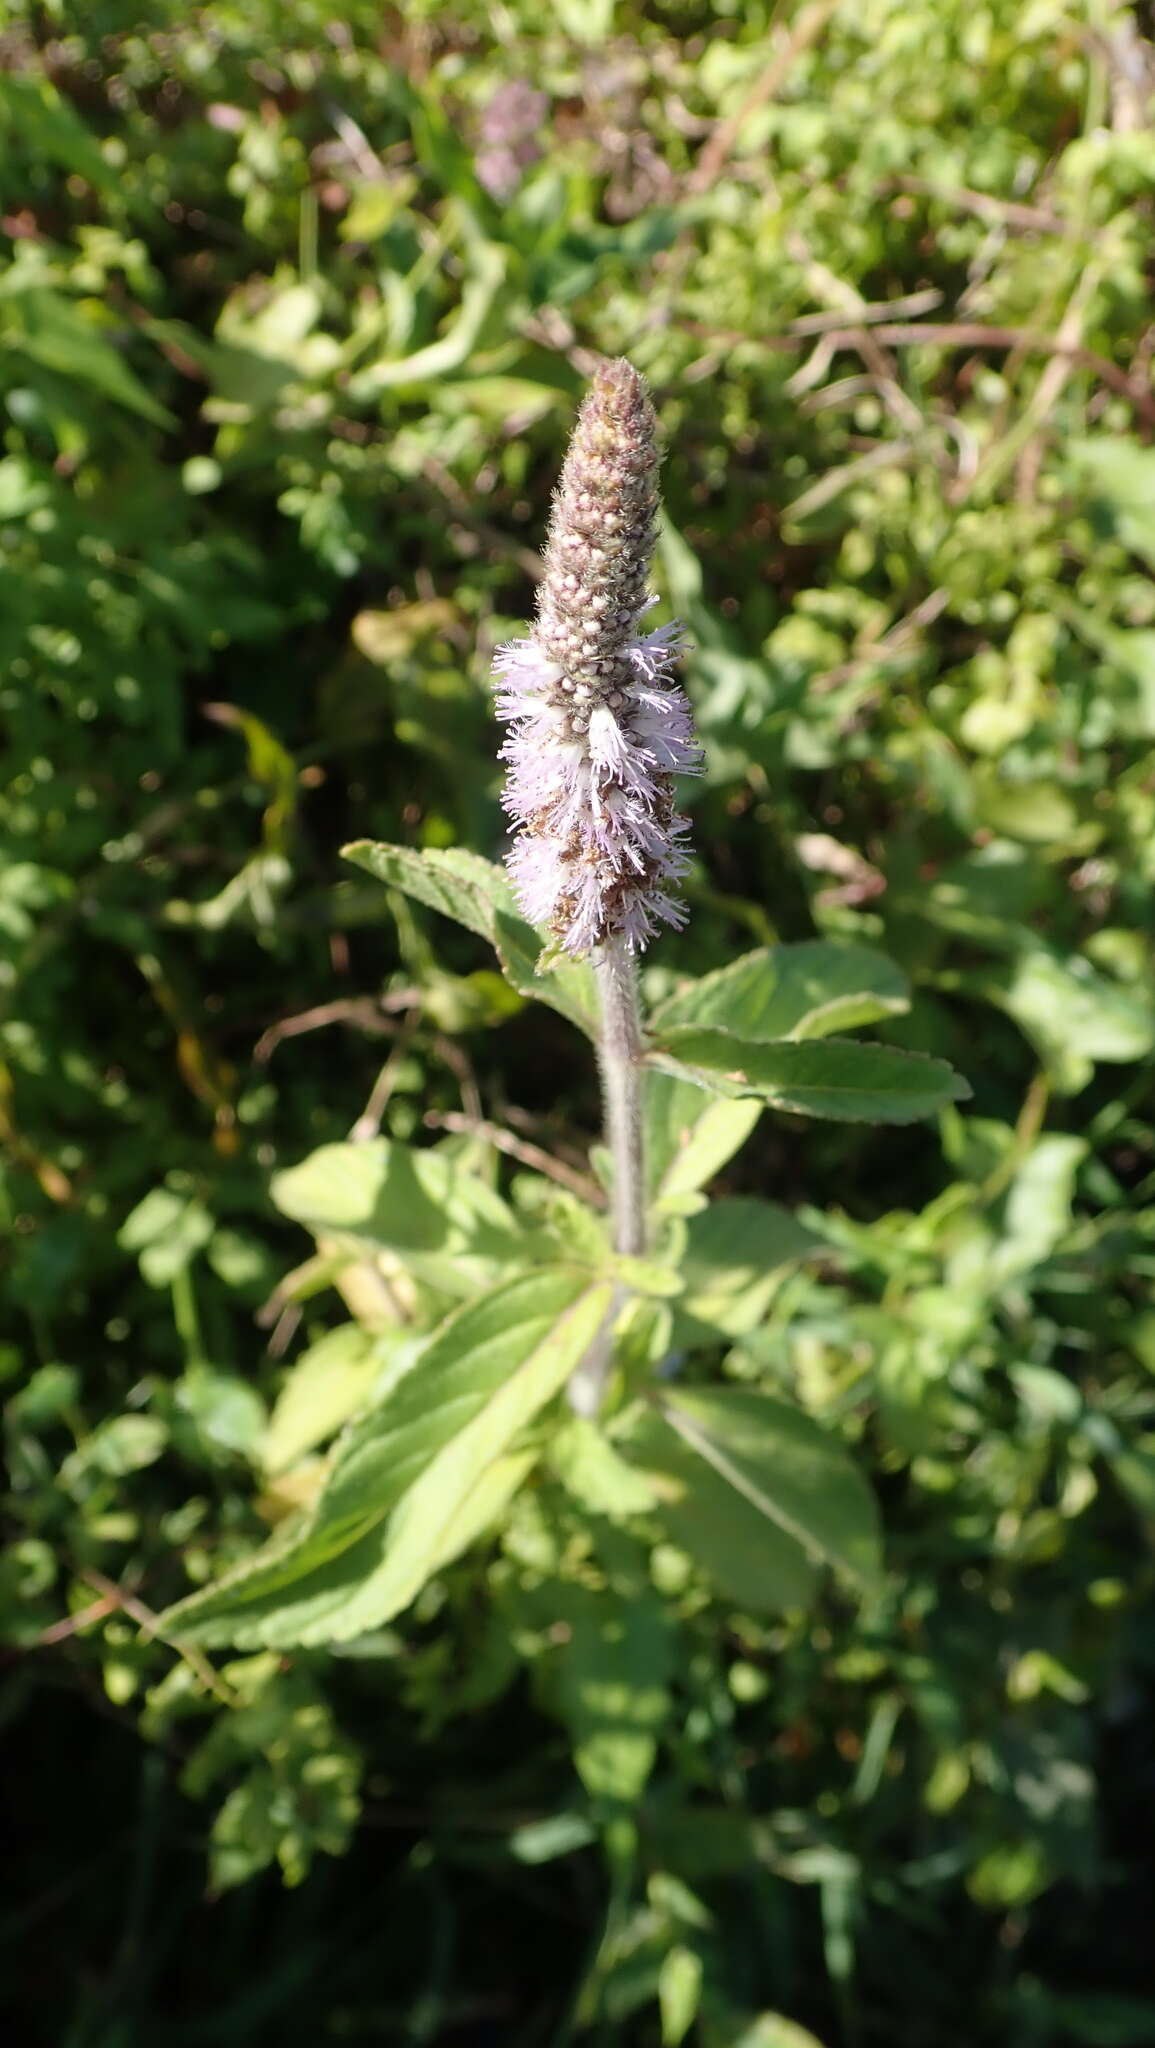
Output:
(598, 726)
(509, 130)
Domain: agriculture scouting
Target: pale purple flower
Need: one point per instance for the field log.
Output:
(598, 725)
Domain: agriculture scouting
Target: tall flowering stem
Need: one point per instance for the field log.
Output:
(598, 729)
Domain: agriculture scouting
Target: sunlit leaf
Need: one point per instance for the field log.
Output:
(805, 991)
(414, 1479)
(477, 894)
(836, 1078)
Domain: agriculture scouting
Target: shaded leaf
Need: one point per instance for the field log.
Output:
(53, 331)
(732, 1265)
(1072, 1013)
(477, 894)
(611, 1683)
(747, 1557)
(787, 1467)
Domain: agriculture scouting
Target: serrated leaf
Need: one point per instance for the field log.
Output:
(447, 1226)
(781, 1461)
(476, 893)
(797, 992)
(405, 1485)
(836, 1078)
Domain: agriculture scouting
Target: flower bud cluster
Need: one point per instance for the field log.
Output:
(598, 726)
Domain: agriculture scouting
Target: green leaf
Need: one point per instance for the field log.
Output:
(1037, 1215)
(1121, 474)
(414, 1480)
(644, 1276)
(51, 129)
(327, 1384)
(596, 1474)
(299, 1796)
(732, 1267)
(227, 1411)
(749, 1559)
(477, 894)
(1073, 1014)
(688, 1142)
(447, 1226)
(787, 1467)
(543, 1841)
(838, 1078)
(611, 1678)
(1135, 1471)
(803, 991)
(122, 1444)
(451, 349)
(679, 1993)
(477, 1510)
(63, 337)
(767, 2030)
(167, 1230)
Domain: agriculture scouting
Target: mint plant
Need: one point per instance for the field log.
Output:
(486, 1302)
(479, 1307)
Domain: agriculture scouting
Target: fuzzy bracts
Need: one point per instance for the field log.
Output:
(598, 726)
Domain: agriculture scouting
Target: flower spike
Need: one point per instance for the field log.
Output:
(598, 727)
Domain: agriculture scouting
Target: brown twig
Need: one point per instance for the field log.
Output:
(975, 334)
(714, 154)
(59, 1631)
(368, 1013)
(948, 334)
(150, 1623)
(869, 313)
(368, 1124)
(890, 646)
(1000, 212)
(519, 1149)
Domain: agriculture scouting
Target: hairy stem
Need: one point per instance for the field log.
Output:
(620, 1065)
(620, 1061)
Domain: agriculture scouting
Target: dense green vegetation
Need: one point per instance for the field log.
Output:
(297, 302)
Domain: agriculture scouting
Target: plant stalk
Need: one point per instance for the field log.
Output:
(620, 1067)
(620, 1063)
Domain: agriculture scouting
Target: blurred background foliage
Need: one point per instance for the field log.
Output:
(296, 303)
